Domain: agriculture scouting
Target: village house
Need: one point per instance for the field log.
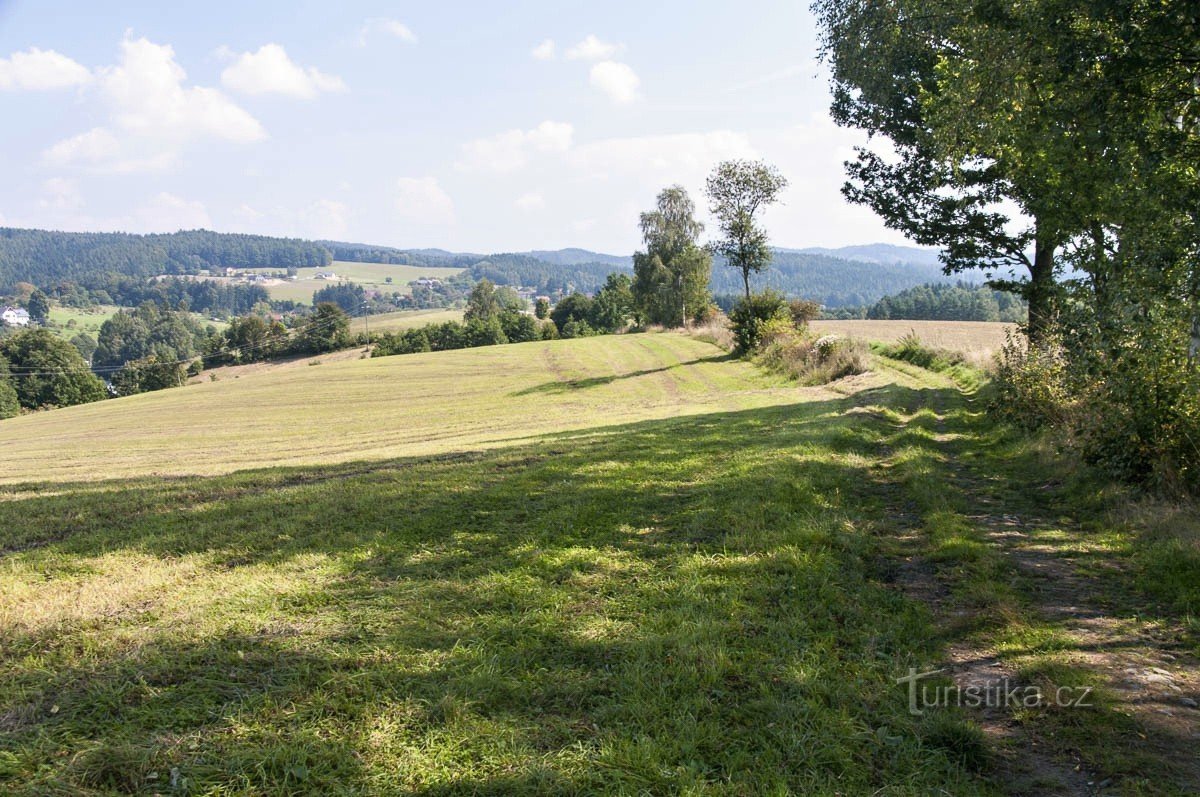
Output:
(14, 316)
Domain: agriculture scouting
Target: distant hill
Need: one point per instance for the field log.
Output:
(45, 257)
(576, 257)
(877, 253)
(832, 281)
(850, 276)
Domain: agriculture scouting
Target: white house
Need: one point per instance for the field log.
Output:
(14, 316)
(325, 275)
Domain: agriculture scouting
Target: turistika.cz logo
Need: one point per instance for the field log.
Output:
(999, 693)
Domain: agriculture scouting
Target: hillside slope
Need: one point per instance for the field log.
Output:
(393, 406)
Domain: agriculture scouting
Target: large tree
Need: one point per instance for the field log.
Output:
(737, 191)
(890, 63)
(49, 372)
(670, 279)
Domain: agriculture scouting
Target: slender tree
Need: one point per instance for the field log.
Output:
(737, 190)
(670, 279)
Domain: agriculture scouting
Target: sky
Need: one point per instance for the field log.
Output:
(469, 126)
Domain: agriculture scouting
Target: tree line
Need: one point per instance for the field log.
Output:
(1083, 117)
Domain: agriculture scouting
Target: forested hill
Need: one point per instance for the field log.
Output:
(44, 257)
(832, 281)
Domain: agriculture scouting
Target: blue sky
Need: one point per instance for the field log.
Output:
(467, 126)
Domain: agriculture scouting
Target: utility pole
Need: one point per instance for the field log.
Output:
(366, 325)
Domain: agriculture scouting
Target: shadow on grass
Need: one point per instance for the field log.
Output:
(693, 604)
(557, 386)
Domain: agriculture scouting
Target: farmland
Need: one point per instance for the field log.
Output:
(371, 276)
(978, 340)
(615, 564)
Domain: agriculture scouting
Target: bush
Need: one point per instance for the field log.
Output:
(1030, 385)
(803, 311)
(809, 359)
(751, 316)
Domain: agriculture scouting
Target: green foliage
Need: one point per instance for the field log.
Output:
(346, 295)
(45, 258)
(149, 330)
(148, 373)
(960, 302)
(576, 307)
(541, 308)
(39, 307)
(10, 405)
(752, 315)
(48, 371)
(613, 306)
(737, 191)
(247, 339)
(809, 359)
(1030, 386)
(670, 279)
(487, 302)
(803, 311)
(327, 329)
(85, 344)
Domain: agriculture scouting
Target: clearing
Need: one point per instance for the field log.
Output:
(625, 564)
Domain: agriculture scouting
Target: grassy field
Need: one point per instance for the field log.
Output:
(623, 565)
(372, 276)
(979, 340)
(407, 319)
(91, 319)
(88, 321)
(421, 404)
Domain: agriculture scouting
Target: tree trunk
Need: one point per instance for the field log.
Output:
(746, 281)
(1040, 291)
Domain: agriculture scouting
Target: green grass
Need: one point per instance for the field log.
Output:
(407, 319)
(372, 276)
(626, 564)
(420, 404)
(67, 322)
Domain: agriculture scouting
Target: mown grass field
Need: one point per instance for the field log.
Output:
(372, 276)
(407, 319)
(620, 565)
(978, 340)
(424, 404)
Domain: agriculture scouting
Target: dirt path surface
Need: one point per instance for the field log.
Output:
(1080, 625)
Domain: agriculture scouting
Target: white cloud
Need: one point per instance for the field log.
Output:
(511, 150)
(422, 200)
(531, 201)
(592, 49)
(59, 193)
(41, 70)
(679, 157)
(95, 145)
(152, 115)
(168, 213)
(617, 80)
(544, 51)
(392, 27)
(325, 219)
(271, 71)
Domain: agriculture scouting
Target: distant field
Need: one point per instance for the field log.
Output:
(407, 319)
(416, 404)
(92, 319)
(372, 276)
(977, 339)
(88, 321)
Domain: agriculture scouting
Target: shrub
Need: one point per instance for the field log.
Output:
(1030, 385)
(803, 311)
(809, 359)
(751, 316)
